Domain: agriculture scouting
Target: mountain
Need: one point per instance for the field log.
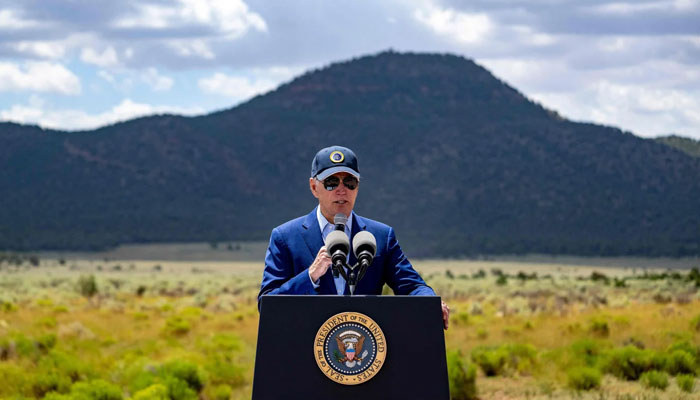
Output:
(686, 145)
(456, 160)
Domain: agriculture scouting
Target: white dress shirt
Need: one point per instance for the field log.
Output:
(326, 228)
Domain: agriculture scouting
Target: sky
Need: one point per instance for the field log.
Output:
(80, 64)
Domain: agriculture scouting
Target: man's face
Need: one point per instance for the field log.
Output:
(339, 200)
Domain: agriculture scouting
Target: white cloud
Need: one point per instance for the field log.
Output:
(106, 76)
(10, 20)
(71, 119)
(234, 86)
(644, 111)
(107, 58)
(156, 81)
(42, 49)
(460, 26)
(192, 48)
(229, 16)
(38, 76)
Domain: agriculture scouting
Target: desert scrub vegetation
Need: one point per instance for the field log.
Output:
(188, 330)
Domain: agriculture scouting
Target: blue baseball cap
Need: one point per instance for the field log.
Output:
(332, 160)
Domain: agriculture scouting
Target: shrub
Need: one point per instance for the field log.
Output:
(87, 285)
(222, 370)
(584, 378)
(686, 346)
(177, 325)
(492, 361)
(686, 383)
(96, 390)
(154, 392)
(587, 350)
(462, 380)
(59, 363)
(186, 371)
(695, 323)
(680, 362)
(521, 357)
(221, 392)
(655, 379)
(599, 327)
(53, 382)
(627, 362)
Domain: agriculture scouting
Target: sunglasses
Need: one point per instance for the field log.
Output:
(332, 182)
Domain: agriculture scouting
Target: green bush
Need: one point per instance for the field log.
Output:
(584, 378)
(695, 323)
(462, 380)
(599, 327)
(492, 361)
(52, 382)
(521, 357)
(96, 390)
(87, 285)
(154, 392)
(627, 362)
(186, 371)
(59, 363)
(686, 383)
(655, 379)
(680, 362)
(177, 326)
(586, 350)
(221, 392)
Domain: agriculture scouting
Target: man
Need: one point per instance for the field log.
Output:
(296, 261)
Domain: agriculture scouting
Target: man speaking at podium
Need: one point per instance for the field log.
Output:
(297, 262)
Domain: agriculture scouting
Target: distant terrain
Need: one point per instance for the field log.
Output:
(460, 163)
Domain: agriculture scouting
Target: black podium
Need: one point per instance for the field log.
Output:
(408, 335)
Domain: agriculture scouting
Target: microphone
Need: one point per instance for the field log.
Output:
(338, 247)
(339, 221)
(364, 245)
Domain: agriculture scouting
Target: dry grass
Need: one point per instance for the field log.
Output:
(118, 326)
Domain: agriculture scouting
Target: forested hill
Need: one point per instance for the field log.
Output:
(457, 161)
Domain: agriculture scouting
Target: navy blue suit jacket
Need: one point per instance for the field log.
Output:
(293, 248)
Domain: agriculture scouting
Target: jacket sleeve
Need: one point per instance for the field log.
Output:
(399, 273)
(278, 275)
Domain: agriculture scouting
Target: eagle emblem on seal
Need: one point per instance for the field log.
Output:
(350, 343)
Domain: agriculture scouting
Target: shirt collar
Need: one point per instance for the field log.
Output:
(322, 221)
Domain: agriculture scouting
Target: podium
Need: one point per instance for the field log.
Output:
(399, 339)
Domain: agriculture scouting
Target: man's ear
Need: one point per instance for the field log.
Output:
(312, 187)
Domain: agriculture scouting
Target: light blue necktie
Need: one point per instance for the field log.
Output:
(339, 281)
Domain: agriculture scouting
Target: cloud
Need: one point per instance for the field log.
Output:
(106, 58)
(460, 26)
(156, 81)
(38, 76)
(9, 20)
(246, 85)
(234, 86)
(229, 16)
(72, 119)
(42, 49)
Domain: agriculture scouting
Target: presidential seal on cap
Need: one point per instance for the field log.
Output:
(332, 160)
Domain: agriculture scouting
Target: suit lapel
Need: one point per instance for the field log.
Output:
(312, 236)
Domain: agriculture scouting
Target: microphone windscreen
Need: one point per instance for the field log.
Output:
(337, 240)
(364, 241)
(340, 218)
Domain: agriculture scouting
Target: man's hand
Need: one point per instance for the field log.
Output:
(445, 314)
(320, 265)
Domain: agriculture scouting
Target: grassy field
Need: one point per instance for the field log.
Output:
(76, 326)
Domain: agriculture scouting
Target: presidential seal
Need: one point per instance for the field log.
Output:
(350, 348)
(337, 156)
